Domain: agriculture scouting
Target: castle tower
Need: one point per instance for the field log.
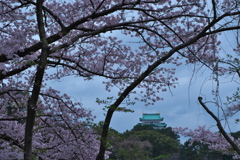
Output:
(153, 119)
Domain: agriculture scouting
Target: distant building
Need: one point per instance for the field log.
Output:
(153, 119)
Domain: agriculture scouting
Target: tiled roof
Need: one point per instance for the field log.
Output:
(151, 116)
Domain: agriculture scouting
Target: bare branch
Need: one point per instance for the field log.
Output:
(219, 125)
(12, 119)
(214, 9)
(11, 140)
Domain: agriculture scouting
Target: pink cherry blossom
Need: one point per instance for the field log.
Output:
(133, 44)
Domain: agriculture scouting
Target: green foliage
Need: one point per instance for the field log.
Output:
(162, 144)
(113, 135)
(162, 157)
(31, 63)
(132, 148)
(166, 131)
(98, 129)
(200, 151)
(236, 135)
(234, 98)
(140, 127)
(143, 142)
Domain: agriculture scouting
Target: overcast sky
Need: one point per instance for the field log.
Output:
(179, 108)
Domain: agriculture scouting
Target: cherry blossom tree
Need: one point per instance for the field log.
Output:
(95, 38)
(221, 140)
(198, 47)
(61, 129)
(226, 69)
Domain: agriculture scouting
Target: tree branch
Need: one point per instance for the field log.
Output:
(32, 101)
(14, 142)
(219, 125)
(214, 9)
(11, 140)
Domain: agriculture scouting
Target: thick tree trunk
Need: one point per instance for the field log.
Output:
(29, 132)
(32, 102)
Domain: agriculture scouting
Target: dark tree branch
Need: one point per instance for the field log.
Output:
(12, 119)
(58, 135)
(214, 9)
(235, 68)
(14, 142)
(32, 101)
(133, 85)
(55, 17)
(219, 125)
(13, 72)
(11, 140)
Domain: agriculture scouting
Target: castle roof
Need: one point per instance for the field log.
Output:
(153, 119)
(151, 116)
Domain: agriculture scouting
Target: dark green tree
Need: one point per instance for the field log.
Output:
(165, 131)
(200, 151)
(162, 144)
(235, 134)
(131, 148)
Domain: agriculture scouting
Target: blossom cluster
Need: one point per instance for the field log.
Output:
(135, 45)
(214, 140)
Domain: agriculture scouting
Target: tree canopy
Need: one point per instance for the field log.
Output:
(43, 40)
(144, 142)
